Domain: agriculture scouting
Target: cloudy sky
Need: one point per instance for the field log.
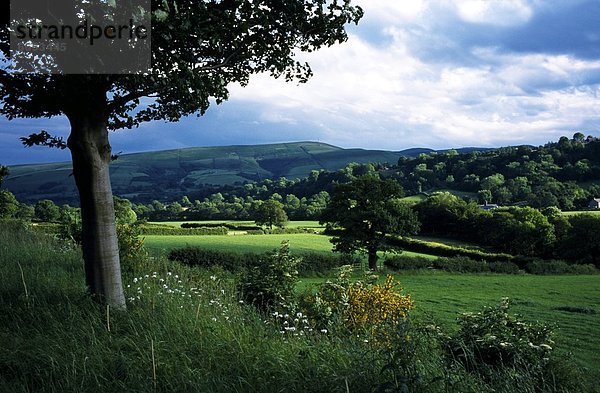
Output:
(414, 73)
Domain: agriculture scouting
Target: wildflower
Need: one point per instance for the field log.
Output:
(214, 278)
(323, 330)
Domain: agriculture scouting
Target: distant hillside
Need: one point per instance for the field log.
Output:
(163, 174)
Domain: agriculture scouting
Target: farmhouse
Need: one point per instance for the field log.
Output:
(488, 206)
(594, 203)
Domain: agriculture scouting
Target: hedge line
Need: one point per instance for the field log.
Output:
(464, 264)
(170, 231)
(443, 250)
(311, 264)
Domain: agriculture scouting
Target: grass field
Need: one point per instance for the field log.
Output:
(55, 339)
(594, 212)
(299, 243)
(570, 303)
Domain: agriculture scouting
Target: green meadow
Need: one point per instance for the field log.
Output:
(570, 303)
(299, 243)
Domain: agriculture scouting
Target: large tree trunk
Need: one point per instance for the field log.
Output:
(91, 153)
(372, 253)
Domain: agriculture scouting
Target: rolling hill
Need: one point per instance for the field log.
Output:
(172, 173)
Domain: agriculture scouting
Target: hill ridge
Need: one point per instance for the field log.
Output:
(165, 174)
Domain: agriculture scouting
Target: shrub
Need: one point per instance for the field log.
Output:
(376, 307)
(270, 283)
(504, 267)
(196, 256)
(540, 266)
(130, 242)
(493, 338)
(315, 263)
(403, 262)
(502, 349)
(191, 231)
(444, 250)
(461, 264)
(357, 307)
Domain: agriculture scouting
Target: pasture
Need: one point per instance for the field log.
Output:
(299, 243)
(572, 213)
(569, 303)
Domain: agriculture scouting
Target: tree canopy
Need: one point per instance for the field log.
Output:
(271, 213)
(364, 211)
(198, 49)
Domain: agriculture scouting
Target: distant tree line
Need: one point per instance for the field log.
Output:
(526, 231)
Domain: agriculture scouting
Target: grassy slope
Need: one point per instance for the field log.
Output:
(176, 172)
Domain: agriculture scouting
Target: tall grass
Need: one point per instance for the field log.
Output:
(184, 331)
(191, 336)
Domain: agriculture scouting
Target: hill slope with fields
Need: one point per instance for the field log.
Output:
(161, 174)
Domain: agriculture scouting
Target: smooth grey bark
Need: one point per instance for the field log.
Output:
(91, 154)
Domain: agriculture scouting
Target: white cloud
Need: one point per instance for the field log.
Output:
(393, 11)
(494, 12)
(377, 96)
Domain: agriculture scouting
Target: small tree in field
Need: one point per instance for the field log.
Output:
(199, 47)
(271, 213)
(364, 212)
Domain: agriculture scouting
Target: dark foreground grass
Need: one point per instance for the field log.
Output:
(184, 331)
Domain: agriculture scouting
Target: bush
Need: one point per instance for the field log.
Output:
(540, 266)
(314, 263)
(504, 350)
(270, 284)
(461, 264)
(444, 250)
(504, 267)
(191, 231)
(231, 226)
(130, 242)
(357, 307)
(403, 262)
(196, 256)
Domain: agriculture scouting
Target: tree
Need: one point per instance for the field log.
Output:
(3, 173)
(8, 204)
(271, 213)
(364, 212)
(46, 210)
(198, 49)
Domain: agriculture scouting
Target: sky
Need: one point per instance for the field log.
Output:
(413, 73)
